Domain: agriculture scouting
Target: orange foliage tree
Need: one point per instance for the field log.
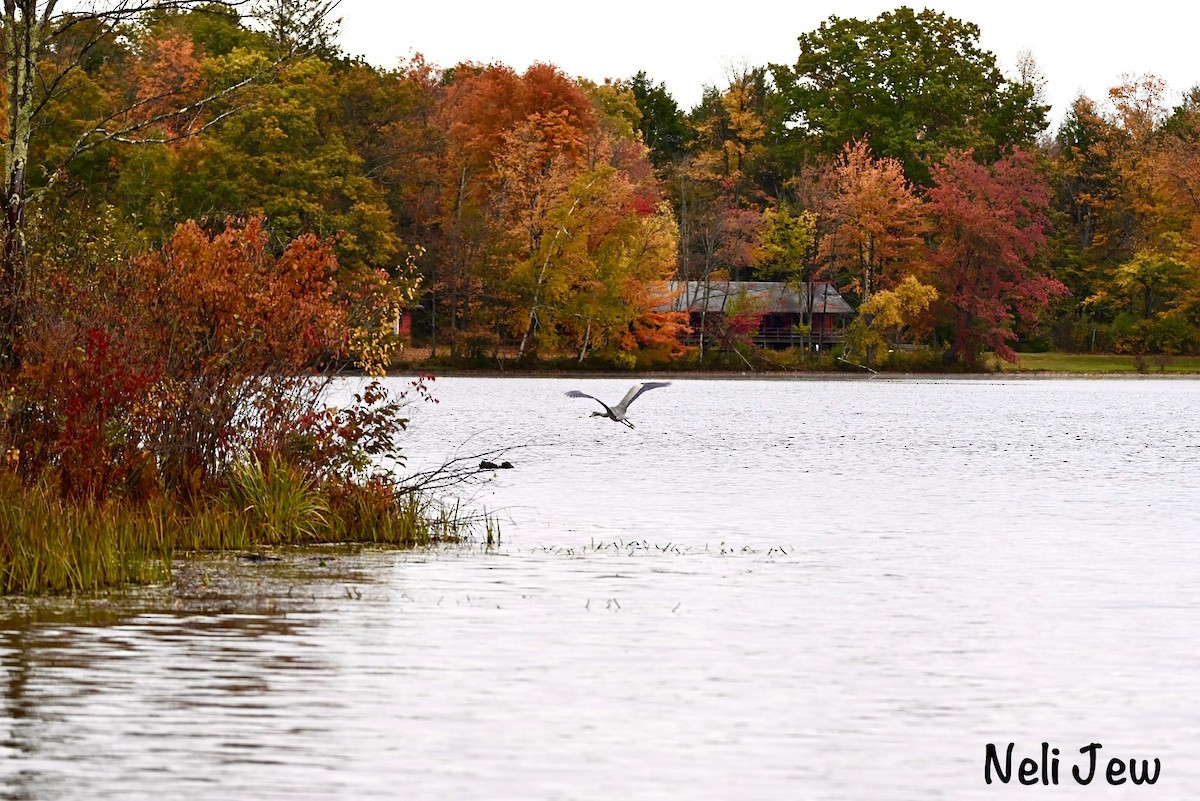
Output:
(551, 227)
(872, 222)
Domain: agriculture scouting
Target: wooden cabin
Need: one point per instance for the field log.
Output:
(784, 308)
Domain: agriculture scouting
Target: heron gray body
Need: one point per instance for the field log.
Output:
(617, 411)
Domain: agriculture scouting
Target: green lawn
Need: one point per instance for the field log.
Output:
(1097, 363)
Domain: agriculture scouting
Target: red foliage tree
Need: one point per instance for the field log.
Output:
(990, 224)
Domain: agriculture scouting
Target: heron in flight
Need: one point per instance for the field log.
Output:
(617, 412)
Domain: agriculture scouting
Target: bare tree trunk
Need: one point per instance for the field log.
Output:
(433, 329)
(460, 260)
(13, 278)
(541, 280)
(23, 30)
(587, 341)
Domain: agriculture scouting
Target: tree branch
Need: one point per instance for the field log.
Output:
(101, 133)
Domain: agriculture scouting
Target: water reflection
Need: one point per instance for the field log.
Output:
(835, 593)
(95, 687)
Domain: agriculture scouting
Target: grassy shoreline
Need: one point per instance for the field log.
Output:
(1103, 364)
(52, 545)
(1029, 365)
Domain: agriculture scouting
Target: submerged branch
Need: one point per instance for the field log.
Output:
(459, 470)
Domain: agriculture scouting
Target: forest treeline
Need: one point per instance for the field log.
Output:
(539, 213)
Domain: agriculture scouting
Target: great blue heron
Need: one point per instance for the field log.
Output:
(617, 412)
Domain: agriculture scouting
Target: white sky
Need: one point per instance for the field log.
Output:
(1079, 46)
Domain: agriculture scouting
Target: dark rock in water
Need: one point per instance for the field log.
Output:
(486, 465)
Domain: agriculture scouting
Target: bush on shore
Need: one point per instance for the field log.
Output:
(177, 400)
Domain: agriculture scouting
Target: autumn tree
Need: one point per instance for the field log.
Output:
(1126, 175)
(989, 227)
(717, 200)
(475, 109)
(1152, 282)
(888, 317)
(1178, 177)
(719, 238)
(598, 281)
(549, 217)
(872, 222)
(787, 244)
(730, 133)
(46, 47)
(1150, 292)
(544, 178)
(535, 171)
(1139, 107)
(616, 106)
(580, 194)
(180, 361)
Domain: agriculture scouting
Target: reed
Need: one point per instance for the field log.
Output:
(52, 545)
(277, 501)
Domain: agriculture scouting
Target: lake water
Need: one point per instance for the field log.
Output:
(769, 589)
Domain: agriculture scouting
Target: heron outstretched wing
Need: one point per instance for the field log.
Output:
(577, 394)
(636, 390)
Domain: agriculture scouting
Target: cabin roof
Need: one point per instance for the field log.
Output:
(775, 297)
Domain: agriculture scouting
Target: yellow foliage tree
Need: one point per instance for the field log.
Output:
(887, 315)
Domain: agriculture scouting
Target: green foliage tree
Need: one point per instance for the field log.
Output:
(787, 245)
(1088, 192)
(284, 156)
(662, 124)
(916, 83)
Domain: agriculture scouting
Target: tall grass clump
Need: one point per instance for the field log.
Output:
(277, 500)
(48, 544)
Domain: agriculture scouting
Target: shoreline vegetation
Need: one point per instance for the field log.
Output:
(49, 545)
(179, 400)
(754, 363)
